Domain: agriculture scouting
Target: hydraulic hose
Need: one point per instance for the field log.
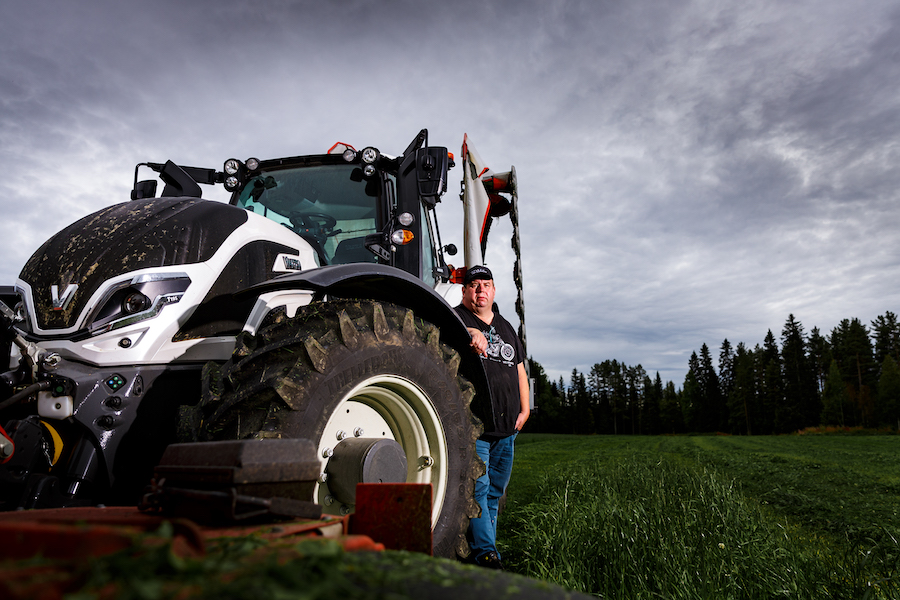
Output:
(31, 389)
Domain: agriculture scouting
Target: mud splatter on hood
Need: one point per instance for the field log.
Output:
(154, 232)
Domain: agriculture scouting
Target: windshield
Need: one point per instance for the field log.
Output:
(333, 207)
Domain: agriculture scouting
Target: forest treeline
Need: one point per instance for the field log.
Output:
(849, 378)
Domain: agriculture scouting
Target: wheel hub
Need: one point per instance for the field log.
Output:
(364, 460)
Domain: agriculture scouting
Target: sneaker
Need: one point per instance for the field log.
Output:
(489, 560)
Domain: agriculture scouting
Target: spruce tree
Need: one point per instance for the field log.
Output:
(888, 405)
(583, 422)
(711, 408)
(819, 352)
(726, 369)
(692, 395)
(800, 407)
(852, 349)
(670, 413)
(742, 399)
(771, 386)
(653, 394)
(634, 376)
(886, 332)
(547, 414)
(834, 398)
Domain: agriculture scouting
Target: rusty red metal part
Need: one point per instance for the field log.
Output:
(389, 516)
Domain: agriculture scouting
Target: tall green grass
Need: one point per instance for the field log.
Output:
(660, 527)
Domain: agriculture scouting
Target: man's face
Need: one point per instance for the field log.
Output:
(479, 294)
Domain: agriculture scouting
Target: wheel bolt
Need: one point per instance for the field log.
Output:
(323, 477)
(427, 461)
(345, 510)
(329, 500)
(358, 432)
(327, 453)
(341, 434)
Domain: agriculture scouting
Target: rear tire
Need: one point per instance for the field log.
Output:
(362, 369)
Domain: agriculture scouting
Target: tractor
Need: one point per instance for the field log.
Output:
(314, 305)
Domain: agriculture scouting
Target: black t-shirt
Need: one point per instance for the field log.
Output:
(504, 353)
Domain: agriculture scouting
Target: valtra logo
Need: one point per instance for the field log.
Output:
(61, 302)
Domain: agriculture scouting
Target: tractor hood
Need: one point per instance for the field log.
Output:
(155, 232)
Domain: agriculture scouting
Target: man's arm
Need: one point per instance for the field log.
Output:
(479, 342)
(524, 396)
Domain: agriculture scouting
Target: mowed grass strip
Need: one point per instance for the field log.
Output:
(695, 517)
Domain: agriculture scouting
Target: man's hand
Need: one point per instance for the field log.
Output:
(520, 420)
(479, 342)
(524, 398)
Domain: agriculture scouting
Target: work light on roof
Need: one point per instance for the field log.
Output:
(232, 166)
(252, 164)
(349, 155)
(369, 170)
(370, 155)
(231, 182)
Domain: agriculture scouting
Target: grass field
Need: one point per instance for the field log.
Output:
(681, 517)
(809, 516)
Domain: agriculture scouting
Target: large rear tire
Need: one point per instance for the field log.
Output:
(355, 369)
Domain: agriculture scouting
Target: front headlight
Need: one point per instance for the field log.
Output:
(139, 299)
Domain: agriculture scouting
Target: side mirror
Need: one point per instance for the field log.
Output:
(432, 164)
(144, 189)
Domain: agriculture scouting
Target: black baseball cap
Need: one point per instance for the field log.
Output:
(477, 272)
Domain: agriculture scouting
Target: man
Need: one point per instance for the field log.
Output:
(503, 355)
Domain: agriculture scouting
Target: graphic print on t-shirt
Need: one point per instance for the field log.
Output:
(497, 349)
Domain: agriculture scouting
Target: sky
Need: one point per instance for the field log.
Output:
(689, 171)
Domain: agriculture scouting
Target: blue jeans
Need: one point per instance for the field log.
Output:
(498, 457)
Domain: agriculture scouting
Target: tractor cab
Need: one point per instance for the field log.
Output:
(354, 206)
(350, 206)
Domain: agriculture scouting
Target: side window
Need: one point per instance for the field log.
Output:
(428, 249)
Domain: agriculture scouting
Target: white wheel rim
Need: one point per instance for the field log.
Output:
(392, 407)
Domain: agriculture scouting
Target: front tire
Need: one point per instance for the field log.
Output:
(355, 370)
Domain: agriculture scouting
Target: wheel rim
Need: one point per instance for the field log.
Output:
(395, 408)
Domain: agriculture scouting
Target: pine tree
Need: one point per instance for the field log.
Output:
(819, 352)
(711, 409)
(599, 387)
(742, 399)
(670, 413)
(888, 406)
(653, 397)
(584, 418)
(726, 369)
(634, 377)
(547, 415)
(852, 349)
(886, 331)
(835, 397)
(691, 395)
(771, 386)
(618, 399)
(800, 407)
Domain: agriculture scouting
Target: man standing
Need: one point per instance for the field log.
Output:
(503, 355)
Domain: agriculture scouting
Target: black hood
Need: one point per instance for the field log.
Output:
(140, 234)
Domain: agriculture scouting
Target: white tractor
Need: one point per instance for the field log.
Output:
(314, 305)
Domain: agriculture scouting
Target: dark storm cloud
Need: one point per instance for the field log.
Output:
(720, 204)
(689, 171)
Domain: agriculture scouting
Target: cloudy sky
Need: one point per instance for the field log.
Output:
(689, 170)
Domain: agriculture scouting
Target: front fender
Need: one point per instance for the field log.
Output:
(383, 283)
